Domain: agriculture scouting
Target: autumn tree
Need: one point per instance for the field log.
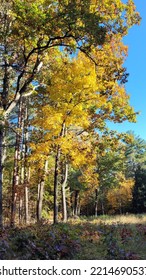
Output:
(75, 107)
(29, 29)
(70, 93)
(119, 197)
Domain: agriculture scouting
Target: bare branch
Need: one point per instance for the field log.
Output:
(17, 98)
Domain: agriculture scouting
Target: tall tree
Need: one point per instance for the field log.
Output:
(135, 154)
(76, 104)
(139, 191)
(136, 165)
(29, 28)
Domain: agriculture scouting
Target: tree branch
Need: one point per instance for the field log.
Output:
(16, 100)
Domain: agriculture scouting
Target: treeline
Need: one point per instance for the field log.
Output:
(62, 78)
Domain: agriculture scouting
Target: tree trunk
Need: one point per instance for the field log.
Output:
(20, 209)
(64, 207)
(26, 172)
(102, 207)
(41, 185)
(76, 202)
(4, 96)
(26, 200)
(2, 160)
(96, 202)
(16, 166)
(79, 208)
(56, 173)
(72, 203)
(1, 173)
(40, 200)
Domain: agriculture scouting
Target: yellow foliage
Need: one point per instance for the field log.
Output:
(82, 96)
(121, 195)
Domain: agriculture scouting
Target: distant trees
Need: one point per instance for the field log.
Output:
(136, 168)
(139, 191)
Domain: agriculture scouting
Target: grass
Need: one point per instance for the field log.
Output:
(123, 219)
(106, 237)
(113, 237)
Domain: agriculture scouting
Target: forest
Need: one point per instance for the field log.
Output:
(62, 81)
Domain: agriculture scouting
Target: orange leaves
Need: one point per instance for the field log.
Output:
(132, 15)
(121, 195)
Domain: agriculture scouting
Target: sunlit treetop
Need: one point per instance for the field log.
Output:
(28, 28)
(72, 23)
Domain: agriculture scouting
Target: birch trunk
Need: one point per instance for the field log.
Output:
(40, 200)
(64, 207)
(16, 176)
(56, 173)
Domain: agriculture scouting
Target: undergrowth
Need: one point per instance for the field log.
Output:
(103, 238)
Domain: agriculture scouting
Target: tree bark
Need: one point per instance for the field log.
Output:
(26, 172)
(72, 203)
(40, 200)
(20, 209)
(41, 193)
(56, 173)
(96, 202)
(26, 200)
(1, 173)
(76, 202)
(16, 176)
(63, 186)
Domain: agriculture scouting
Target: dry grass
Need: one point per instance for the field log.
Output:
(122, 219)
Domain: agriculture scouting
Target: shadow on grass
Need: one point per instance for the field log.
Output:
(94, 239)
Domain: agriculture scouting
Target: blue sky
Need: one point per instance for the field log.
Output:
(136, 67)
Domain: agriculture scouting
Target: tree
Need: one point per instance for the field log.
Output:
(120, 196)
(136, 164)
(30, 28)
(65, 113)
(139, 191)
(74, 108)
(41, 185)
(135, 154)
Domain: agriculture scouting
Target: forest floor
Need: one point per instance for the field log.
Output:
(106, 237)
